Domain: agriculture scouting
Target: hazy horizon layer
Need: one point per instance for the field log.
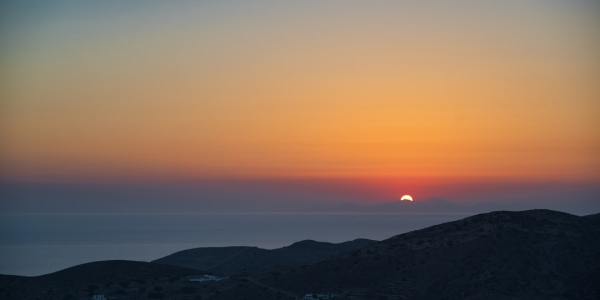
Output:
(36, 244)
(48, 226)
(299, 196)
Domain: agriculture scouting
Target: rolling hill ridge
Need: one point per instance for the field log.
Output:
(252, 260)
(534, 254)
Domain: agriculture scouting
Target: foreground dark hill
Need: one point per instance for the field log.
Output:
(84, 280)
(125, 280)
(536, 254)
(252, 260)
(168, 277)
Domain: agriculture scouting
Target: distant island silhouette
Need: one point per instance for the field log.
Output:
(533, 254)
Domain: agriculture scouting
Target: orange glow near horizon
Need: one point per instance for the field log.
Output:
(362, 93)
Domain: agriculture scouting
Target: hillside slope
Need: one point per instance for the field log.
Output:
(86, 279)
(252, 260)
(537, 254)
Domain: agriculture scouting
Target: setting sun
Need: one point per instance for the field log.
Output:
(407, 198)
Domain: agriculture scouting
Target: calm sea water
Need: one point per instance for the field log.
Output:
(34, 244)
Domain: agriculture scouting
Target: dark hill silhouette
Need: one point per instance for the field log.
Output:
(536, 254)
(72, 283)
(251, 260)
(593, 219)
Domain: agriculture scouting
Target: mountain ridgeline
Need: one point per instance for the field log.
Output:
(253, 260)
(535, 254)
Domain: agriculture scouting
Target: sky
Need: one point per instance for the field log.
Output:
(322, 101)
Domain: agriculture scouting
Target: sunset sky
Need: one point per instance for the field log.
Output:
(382, 94)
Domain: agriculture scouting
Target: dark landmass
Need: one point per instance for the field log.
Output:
(79, 281)
(253, 260)
(535, 254)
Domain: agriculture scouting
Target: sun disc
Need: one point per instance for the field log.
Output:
(406, 198)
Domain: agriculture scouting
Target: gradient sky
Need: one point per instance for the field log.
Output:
(386, 93)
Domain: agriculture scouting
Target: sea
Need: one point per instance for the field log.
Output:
(36, 244)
